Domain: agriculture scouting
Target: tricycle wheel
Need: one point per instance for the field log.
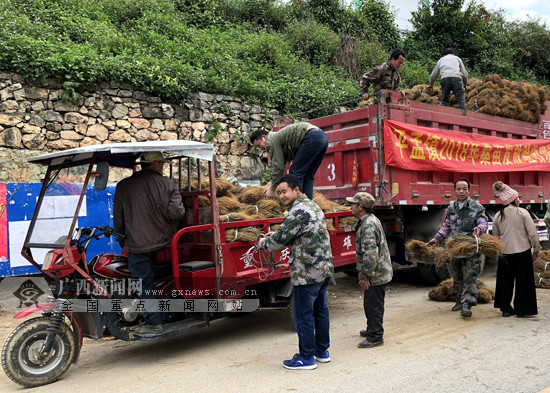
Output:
(21, 358)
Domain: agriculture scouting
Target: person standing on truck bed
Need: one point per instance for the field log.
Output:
(304, 231)
(145, 205)
(374, 266)
(467, 217)
(515, 227)
(454, 77)
(385, 76)
(302, 143)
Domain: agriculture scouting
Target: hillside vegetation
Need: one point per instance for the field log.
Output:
(295, 57)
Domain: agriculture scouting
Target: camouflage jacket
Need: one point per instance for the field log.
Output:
(464, 220)
(381, 77)
(304, 231)
(371, 251)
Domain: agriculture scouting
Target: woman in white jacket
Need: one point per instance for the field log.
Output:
(515, 227)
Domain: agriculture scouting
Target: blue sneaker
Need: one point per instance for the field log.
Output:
(299, 363)
(323, 357)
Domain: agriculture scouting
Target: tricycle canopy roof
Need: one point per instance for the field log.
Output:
(125, 154)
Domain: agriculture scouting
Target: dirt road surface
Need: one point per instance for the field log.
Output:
(427, 348)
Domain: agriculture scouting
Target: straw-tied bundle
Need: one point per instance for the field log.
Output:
(541, 266)
(444, 292)
(432, 255)
(464, 246)
(328, 206)
(245, 234)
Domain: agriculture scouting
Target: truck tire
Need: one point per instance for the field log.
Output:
(428, 273)
(19, 353)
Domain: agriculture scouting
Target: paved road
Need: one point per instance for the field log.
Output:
(428, 349)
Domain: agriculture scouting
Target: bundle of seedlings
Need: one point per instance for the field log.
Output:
(228, 204)
(542, 263)
(543, 283)
(224, 187)
(347, 222)
(270, 208)
(252, 194)
(465, 246)
(245, 234)
(327, 205)
(237, 216)
(444, 292)
(541, 266)
(431, 255)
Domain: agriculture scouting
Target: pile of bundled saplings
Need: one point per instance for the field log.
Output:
(238, 203)
(541, 266)
(494, 96)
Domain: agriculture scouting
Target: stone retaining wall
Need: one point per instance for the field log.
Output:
(35, 119)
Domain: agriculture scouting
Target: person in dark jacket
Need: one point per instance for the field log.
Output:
(145, 206)
(302, 143)
(374, 267)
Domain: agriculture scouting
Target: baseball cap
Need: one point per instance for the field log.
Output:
(363, 198)
(153, 156)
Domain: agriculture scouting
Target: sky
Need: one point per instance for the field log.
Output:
(514, 9)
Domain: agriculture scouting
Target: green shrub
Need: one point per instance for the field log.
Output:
(313, 41)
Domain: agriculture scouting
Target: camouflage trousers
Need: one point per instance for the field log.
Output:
(465, 272)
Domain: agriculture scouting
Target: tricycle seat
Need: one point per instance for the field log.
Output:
(193, 266)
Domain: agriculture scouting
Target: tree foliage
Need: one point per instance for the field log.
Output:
(484, 39)
(290, 56)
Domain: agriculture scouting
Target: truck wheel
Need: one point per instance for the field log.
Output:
(428, 273)
(21, 360)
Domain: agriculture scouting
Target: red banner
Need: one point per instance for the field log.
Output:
(428, 149)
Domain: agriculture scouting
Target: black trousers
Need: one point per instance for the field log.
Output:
(519, 268)
(373, 303)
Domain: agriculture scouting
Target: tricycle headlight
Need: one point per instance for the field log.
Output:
(47, 261)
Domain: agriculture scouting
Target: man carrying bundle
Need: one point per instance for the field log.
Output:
(467, 217)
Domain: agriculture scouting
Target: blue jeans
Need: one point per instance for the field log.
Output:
(141, 267)
(455, 85)
(311, 316)
(308, 159)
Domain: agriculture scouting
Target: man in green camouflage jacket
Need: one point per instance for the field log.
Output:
(467, 217)
(384, 76)
(374, 266)
(304, 231)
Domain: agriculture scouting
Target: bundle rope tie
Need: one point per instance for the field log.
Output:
(546, 265)
(264, 259)
(477, 244)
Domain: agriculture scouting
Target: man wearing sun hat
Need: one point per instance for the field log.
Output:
(374, 266)
(145, 206)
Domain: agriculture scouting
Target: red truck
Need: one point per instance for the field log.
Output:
(413, 185)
